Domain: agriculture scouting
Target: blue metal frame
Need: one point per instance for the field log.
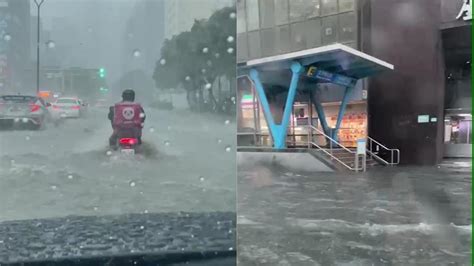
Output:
(342, 110)
(278, 132)
(332, 132)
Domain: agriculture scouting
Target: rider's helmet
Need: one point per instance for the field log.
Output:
(128, 95)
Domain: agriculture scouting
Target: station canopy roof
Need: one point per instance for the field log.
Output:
(335, 58)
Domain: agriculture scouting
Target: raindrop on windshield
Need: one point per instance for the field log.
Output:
(142, 115)
(227, 122)
(163, 62)
(96, 208)
(209, 62)
(109, 153)
(187, 78)
(230, 39)
(7, 37)
(169, 127)
(167, 143)
(232, 15)
(145, 211)
(70, 177)
(152, 130)
(217, 55)
(232, 98)
(228, 149)
(53, 187)
(219, 141)
(203, 70)
(50, 44)
(132, 183)
(205, 50)
(27, 137)
(201, 178)
(137, 53)
(230, 50)
(142, 227)
(231, 248)
(208, 86)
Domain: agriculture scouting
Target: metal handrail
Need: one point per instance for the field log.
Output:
(332, 140)
(310, 141)
(392, 152)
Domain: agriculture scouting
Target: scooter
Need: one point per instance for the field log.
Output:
(128, 142)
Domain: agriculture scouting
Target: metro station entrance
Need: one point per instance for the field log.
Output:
(279, 116)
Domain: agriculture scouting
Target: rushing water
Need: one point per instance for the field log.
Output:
(387, 216)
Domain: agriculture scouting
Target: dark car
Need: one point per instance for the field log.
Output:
(23, 110)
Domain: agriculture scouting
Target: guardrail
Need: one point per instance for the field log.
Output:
(332, 144)
(394, 153)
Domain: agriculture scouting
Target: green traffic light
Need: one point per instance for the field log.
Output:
(102, 72)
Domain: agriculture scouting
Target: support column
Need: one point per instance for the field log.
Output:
(278, 132)
(322, 116)
(342, 110)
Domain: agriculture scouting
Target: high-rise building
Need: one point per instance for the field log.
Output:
(180, 14)
(143, 36)
(14, 43)
(422, 107)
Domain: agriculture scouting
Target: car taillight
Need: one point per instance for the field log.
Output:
(35, 107)
(76, 107)
(55, 107)
(128, 141)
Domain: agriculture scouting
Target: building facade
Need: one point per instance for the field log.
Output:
(266, 28)
(423, 107)
(14, 43)
(146, 16)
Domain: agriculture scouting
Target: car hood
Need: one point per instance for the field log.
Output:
(83, 237)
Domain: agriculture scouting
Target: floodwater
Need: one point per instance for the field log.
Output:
(387, 216)
(188, 165)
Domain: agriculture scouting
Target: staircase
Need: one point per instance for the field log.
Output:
(349, 158)
(345, 158)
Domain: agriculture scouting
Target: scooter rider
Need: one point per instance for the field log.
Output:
(126, 114)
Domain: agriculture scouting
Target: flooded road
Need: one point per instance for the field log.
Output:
(388, 216)
(68, 170)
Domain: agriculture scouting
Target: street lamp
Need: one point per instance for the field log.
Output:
(38, 4)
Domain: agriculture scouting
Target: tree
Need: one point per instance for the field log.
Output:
(195, 59)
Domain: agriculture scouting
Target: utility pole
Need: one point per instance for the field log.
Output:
(38, 4)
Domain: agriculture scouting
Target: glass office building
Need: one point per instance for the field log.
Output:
(272, 27)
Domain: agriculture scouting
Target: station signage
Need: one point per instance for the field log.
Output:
(314, 72)
(466, 11)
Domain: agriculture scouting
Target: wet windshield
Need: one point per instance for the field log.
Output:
(154, 173)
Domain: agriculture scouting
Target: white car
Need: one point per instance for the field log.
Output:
(67, 108)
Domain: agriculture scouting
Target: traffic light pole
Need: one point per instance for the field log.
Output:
(38, 4)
